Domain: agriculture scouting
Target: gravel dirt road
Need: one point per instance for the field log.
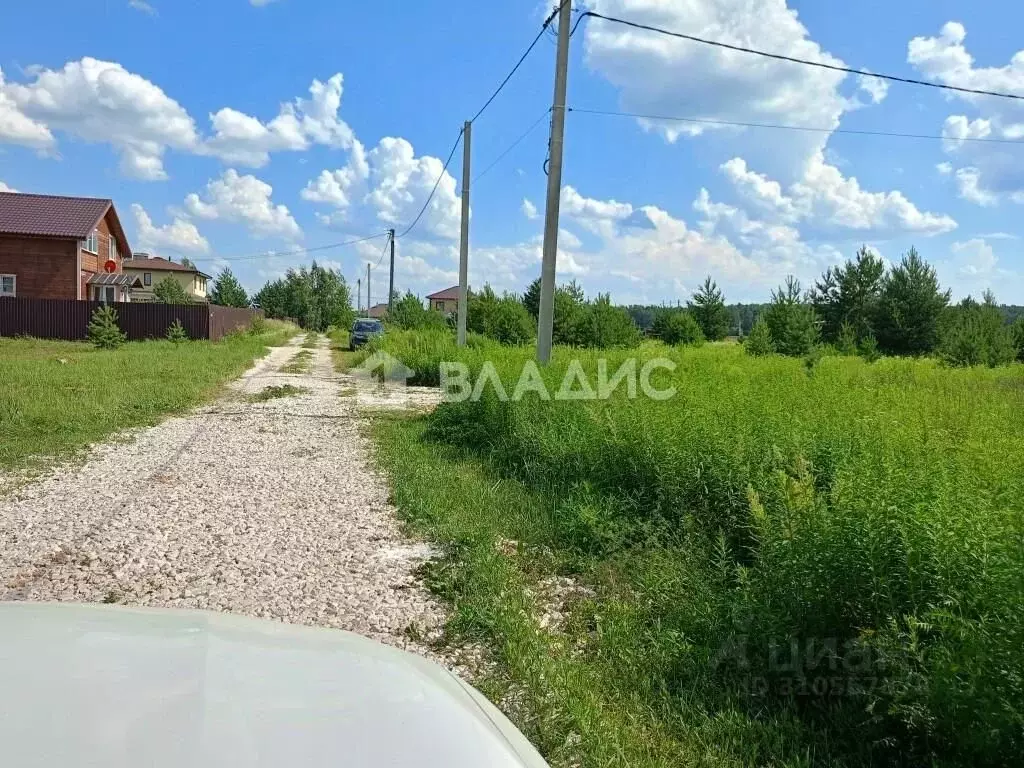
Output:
(269, 509)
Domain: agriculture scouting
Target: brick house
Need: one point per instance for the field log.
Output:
(62, 248)
(446, 302)
(150, 270)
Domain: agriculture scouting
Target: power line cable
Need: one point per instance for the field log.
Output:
(383, 251)
(780, 126)
(434, 190)
(512, 146)
(795, 60)
(547, 23)
(297, 252)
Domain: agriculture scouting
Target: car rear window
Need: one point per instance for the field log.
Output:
(364, 326)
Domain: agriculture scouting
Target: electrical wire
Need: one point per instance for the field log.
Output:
(297, 252)
(795, 60)
(780, 126)
(434, 190)
(512, 146)
(383, 251)
(522, 58)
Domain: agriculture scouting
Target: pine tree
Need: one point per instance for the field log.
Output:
(176, 332)
(910, 307)
(850, 295)
(104, 331)
(791, 322)
(227, 291)
(759, 340)
(531, 299)
(709, 310)
(170, 291)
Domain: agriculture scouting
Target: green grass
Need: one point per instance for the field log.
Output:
(343, 359)
(300, 363)
(58, 397)
(869, 516)
(311, 341)
(274, 392)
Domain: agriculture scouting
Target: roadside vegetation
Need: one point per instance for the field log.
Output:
(791, 561)
(300, 363)
(58, 397)
(275, 392)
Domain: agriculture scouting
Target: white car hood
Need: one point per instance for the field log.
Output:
(111, 686)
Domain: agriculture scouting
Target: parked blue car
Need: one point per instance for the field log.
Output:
(363, 329)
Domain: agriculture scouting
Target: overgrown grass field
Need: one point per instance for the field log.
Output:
(789, 565)
(58, 397)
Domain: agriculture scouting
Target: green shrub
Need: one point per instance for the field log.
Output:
(868, 348)
(759, 341)
(409, 314)
(258, 326)
(104, 331)
(791, 321)
(503, 319)
(676, 326)
(1018, 338)
(975, 334)
(176, 332)
(846, 341)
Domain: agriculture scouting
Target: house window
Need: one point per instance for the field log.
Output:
(147, 278)
(8, 285)
(113, 249)
(92, 243)
(105, 293)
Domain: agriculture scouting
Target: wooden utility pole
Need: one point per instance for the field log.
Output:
(359, 295)
(545, 322)
(391, 280)
(464, 240)
(369, 296)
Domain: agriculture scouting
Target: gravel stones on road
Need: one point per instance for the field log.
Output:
(268, 509)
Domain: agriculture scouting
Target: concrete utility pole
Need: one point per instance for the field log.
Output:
(359, 295)
(369, 300)
(467, 130)
(545, 322)
(391, 281)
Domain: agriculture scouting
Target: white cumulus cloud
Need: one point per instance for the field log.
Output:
(660, 75)
(400, 183)
(99, 101)
(826, 199)
(246, 140)
(179, 235)
(990, 171)
(529, 210)
(244, 200)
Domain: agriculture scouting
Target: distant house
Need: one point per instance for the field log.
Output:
(378, 311)
(446, 301)
(150, 270)
(62, 248)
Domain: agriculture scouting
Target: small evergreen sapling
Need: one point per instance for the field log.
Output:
(176, 332)
(104, 331)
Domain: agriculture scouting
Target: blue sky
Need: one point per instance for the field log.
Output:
(231, 131)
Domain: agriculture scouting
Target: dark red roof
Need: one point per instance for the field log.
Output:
(72, 218)
(448, 294)
(156, 264)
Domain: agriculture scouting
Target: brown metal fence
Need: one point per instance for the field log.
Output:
(69, 319)
(224, 320)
